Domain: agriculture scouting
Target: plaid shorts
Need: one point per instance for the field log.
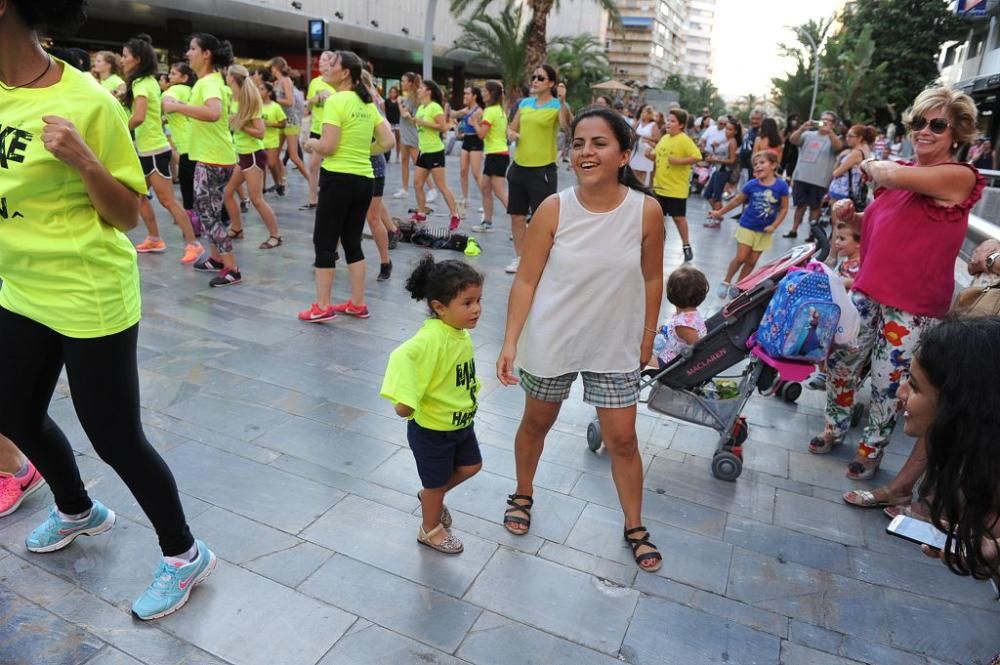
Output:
(616, 390)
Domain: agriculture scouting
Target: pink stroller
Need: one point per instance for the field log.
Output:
(684, 388)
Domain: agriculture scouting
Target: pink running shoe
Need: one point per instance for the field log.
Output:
(456, 221)
(417, 218)
(350, 309)
(317, 314)
(13, 490)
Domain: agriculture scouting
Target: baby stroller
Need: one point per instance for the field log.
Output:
(685, 389)
(700, 174)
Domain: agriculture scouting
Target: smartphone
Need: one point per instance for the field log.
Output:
(917, 531)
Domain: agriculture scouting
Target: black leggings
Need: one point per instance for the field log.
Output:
(185, 173)
(104, 382)
(340, 216)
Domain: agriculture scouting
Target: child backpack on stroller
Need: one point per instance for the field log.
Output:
(802, 318)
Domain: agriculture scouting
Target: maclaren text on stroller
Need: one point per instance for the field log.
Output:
(679, 389)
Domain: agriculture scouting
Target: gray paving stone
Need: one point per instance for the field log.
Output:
(765, 458)
(237, 538)
(261, 493)
(32, 582)
(321, 444)
(374, 645)
(111, 656)
(787, 545)
(555, 477)
(234, 418)
(661, 627)
(292, 566)
(807, 594)
(31, 636)
(710, 603)
(347, 483)
(489, 530)
(251, 620)
(660, 507)
(570, 604)
(496, 640)
(849, 646)
(839, 523)
(387, 538)
(941, 630)
(413, 610)
(599, 532)
(796, 654)
(698, 486)
(623, 574)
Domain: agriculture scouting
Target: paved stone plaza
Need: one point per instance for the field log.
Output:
(298, 475)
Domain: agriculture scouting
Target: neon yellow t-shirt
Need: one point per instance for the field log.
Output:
(539, 130)
(430, 139)
(60, 264)
(149, 136)
(357, 122)
(434, 373)
(180, 127)
(245, 144)
(272, 112)
(495, 140)
(670, 180)
(315, 86)
(113, 83)
(211, 142)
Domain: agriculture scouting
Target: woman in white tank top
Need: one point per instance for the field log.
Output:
(586, 299)
(648, 134)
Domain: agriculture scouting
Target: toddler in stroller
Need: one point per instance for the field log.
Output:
(684, 387)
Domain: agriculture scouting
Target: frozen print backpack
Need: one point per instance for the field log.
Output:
(801, 319)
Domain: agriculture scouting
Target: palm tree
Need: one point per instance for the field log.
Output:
(580, 61)
(536, 39)
(499, 42)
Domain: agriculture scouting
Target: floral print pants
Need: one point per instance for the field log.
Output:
(210, 182)
(887, 339)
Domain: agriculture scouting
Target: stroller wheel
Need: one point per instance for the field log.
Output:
(741, 431)
(594, 435)
(791, 391)
(766, 380)
(726, 466)
(857, 413)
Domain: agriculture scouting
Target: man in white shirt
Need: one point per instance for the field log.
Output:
(713, 134)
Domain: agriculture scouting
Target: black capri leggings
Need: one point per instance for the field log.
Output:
(104, 383)
(185, 173)
(340, 216)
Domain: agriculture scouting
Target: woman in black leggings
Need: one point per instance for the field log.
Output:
(353, 131)
(70, 297)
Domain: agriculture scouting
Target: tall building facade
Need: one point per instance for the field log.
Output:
(658, 38)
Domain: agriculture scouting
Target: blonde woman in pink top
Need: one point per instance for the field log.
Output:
(910, 237)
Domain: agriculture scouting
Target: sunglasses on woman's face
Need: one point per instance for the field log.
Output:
(536, 77)
(938, 125)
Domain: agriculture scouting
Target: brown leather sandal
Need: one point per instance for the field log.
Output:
(636, 543)
(510, 518)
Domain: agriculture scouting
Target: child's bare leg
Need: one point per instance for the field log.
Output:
(750, 263)
(742, 256)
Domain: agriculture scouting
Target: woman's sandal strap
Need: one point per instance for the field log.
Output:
(512, 500)
(510, 518)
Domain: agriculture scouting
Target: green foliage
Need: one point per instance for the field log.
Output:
(581, 62)
(499, 42)
(858, 89)
(908, 35)
(872, 70)
(695, 93)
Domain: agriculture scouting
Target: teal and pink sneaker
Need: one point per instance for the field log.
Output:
(55, 533)
(14, 490)
(172, 584)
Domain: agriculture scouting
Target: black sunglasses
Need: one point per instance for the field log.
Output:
(938, 125)
(536, 77)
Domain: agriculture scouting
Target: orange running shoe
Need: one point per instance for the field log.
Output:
(150, 246)
(192, 251)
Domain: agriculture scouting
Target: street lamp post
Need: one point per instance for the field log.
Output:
(815, 52)
(429, 40)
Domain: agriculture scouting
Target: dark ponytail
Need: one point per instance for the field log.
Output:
(222, 50)
(477, 96)
(141, 48)
(186, 71)
(436, 95)
(495, 89)
(350, 61)
(442, 281)
(626, 137)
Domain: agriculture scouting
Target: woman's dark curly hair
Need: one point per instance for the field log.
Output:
(442, 281)
(141, 48)
(962, 482)
(60, 16)
(687, 287)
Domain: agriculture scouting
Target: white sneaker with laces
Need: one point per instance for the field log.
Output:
(512, 267)
(432, 196)
(400, 194)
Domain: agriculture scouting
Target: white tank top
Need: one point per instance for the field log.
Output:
(589, 306)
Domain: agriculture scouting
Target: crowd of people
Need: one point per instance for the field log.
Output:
(90, 147)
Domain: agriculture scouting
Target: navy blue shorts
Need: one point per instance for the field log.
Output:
(438, 454)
